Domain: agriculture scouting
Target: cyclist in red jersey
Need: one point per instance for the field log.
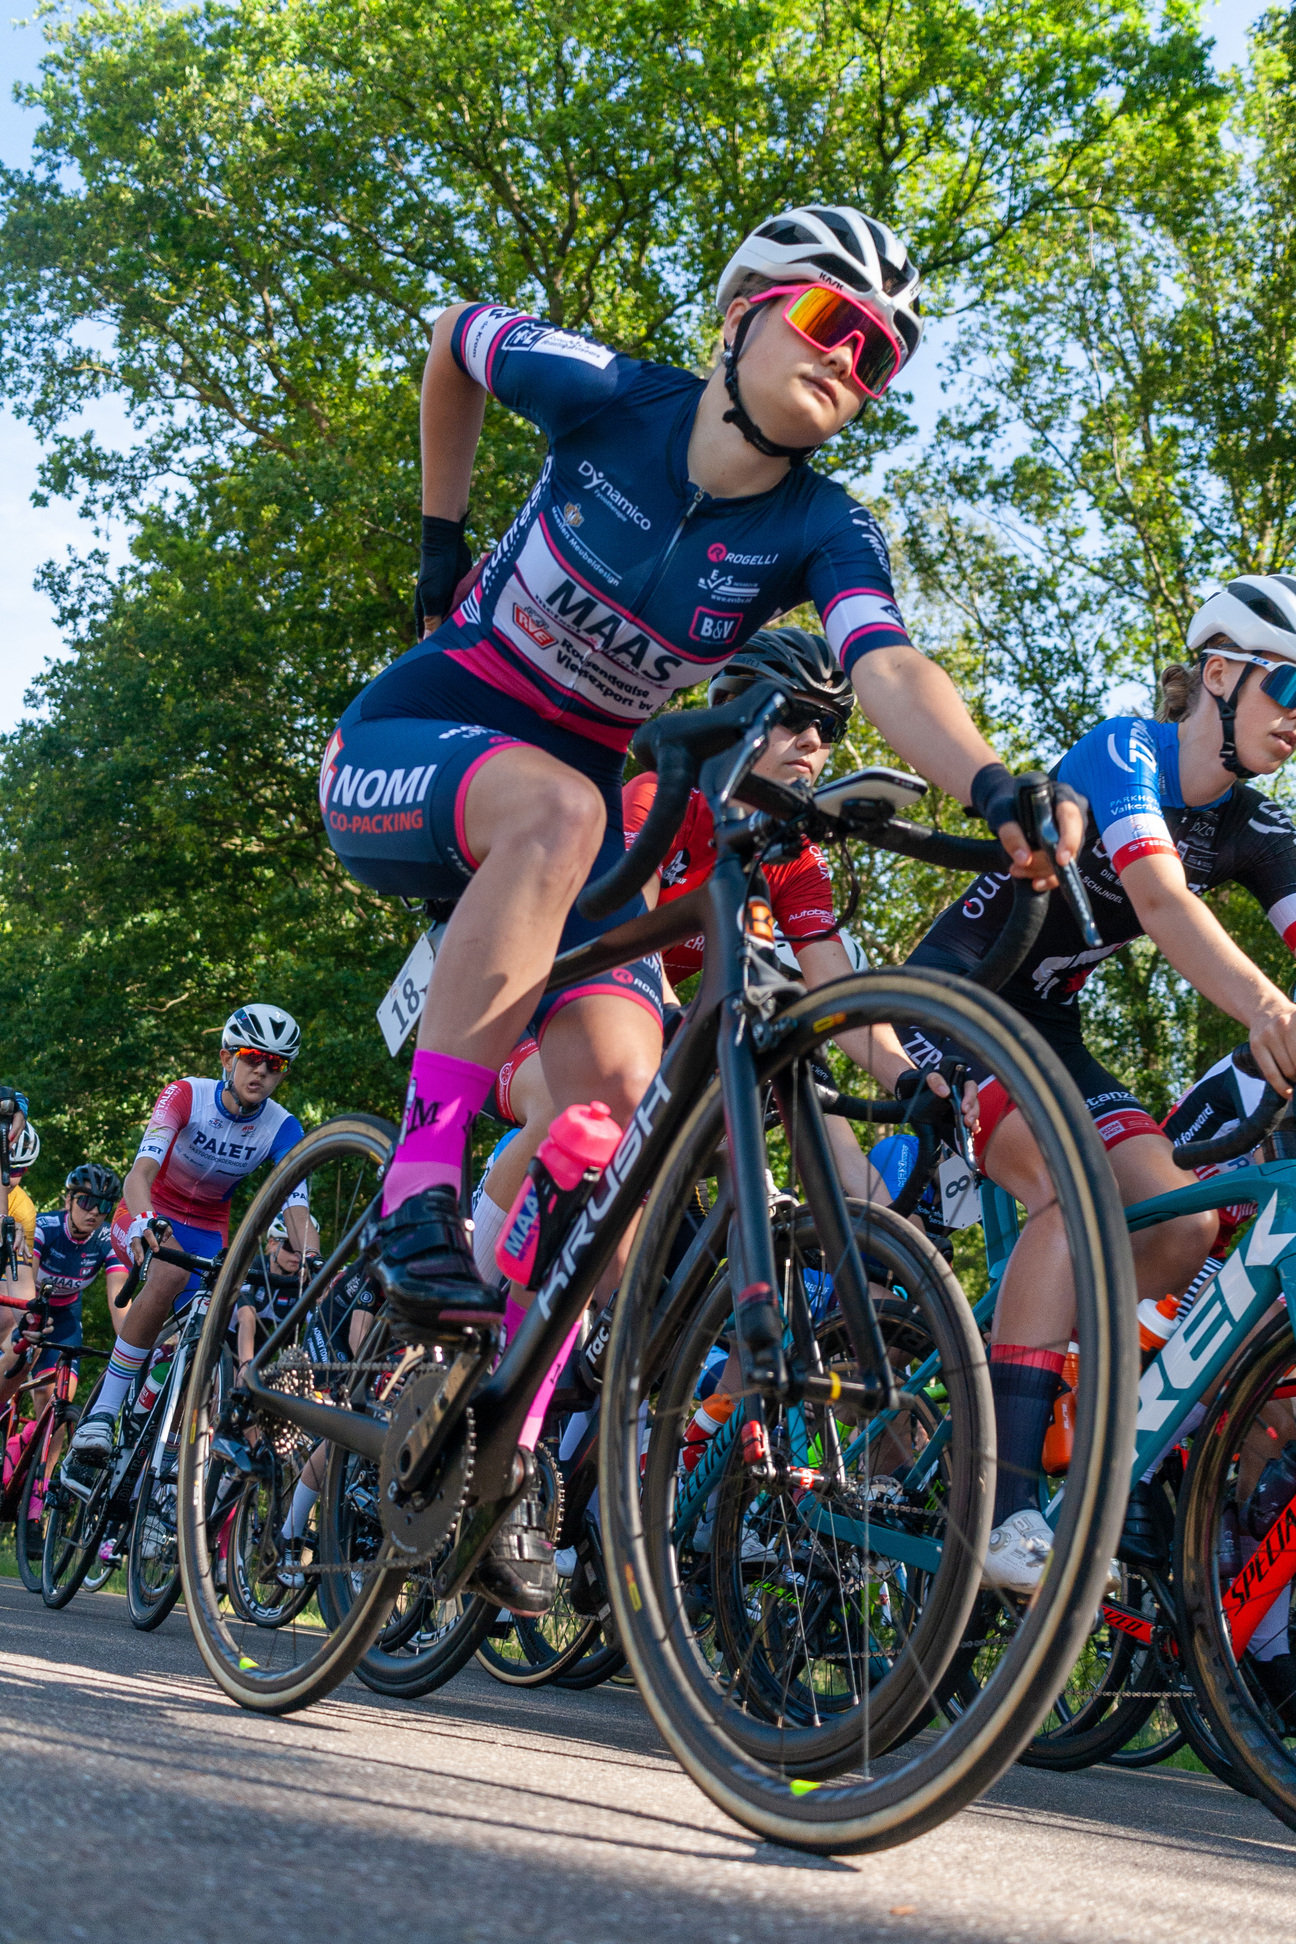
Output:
(801, 898)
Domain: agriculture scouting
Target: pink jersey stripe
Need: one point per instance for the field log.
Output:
(488, 665)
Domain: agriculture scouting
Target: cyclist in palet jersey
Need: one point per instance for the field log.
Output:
(672, 518)
(1170, 819)
(204, 1137)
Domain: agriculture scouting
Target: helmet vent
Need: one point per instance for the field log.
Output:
(1260, 604)
(781, 232)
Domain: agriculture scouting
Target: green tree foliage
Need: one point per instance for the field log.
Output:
(1122, 436)
(242, 220)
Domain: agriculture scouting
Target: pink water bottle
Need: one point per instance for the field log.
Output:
(573, 1154)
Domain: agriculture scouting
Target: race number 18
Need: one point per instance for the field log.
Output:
(403, 1001)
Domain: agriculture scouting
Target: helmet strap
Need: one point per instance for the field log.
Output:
(738, 414)
(1227, 706)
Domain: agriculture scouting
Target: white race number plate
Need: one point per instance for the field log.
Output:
(405, 995)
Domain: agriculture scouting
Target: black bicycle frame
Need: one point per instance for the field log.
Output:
(717, 1029)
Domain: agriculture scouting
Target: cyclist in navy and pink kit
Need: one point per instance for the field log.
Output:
(672, 518)
(1170, 819)
(203, 1138)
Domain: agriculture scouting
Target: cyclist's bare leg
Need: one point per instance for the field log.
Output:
(534, 826)
(152, 1307)
(1036, 1302)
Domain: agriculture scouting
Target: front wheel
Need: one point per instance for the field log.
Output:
(874, 1799)
(74, 1525)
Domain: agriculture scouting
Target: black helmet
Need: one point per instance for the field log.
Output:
(798, 660)
(97, 1183)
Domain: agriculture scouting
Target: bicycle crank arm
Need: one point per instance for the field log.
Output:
(479, 1527)
(427, 1425)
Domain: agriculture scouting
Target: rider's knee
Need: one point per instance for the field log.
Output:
(568, 817)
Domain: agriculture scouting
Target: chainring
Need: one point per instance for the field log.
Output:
(418, 1526)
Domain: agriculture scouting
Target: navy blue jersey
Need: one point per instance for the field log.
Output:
(1128, 768)
(65, 1268)
(620, 582)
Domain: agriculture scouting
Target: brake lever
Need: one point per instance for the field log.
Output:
(1044, 829)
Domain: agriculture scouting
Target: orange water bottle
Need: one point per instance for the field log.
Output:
(1059, 1439)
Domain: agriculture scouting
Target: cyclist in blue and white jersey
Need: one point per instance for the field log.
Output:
(1170, 818)
(672, 518)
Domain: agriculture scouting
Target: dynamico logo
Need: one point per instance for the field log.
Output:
(625, 509)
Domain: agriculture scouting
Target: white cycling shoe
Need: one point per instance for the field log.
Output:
(93, 1439)
(1018, 1553)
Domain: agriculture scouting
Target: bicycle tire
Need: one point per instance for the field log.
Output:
(1148, 1757)
(943, 1774)
(600, 1664)
(29, 1575)
(270, 1680)
(73, 1530)
(147, 1605)
(1238, 1718)
(415, 1650)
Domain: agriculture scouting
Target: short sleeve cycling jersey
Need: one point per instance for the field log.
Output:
(205, 1151)
(66, 1267)
(801, 896)
(1128, 768)
(619, 581)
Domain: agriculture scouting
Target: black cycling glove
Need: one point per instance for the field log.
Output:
(999, 797)
(444, 559)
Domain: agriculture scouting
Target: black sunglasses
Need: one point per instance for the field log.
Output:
(808, 715)
(92, 1204)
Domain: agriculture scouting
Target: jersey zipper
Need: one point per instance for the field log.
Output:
(659, 567)
(664, 558)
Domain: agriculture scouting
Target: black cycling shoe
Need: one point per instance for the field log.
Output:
(518, 1569)
(424, 1263)
(1143, 1539)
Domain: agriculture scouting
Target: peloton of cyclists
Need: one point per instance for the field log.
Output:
(203, 1138)
(673, 517)
(1170, 818)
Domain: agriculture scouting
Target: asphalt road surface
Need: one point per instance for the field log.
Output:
(140, 1806)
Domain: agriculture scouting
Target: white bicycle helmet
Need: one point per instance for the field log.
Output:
(1256, 613)
(266, 1028)
(24, 1149)
(840, 247)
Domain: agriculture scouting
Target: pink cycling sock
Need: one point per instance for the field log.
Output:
(445, 1096)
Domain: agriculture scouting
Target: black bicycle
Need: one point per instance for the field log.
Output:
(430, 1430)
(135, 1492)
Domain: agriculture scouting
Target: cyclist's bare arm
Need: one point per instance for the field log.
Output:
(137, 1193)
(451, 411)
(925, 720)
(877, 1049)
(1190, 936)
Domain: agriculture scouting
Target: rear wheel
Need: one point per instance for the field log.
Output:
(883, 1799)
(1251, 1721)
(277, 1669)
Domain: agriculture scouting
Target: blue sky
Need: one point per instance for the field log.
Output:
(30, 535)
